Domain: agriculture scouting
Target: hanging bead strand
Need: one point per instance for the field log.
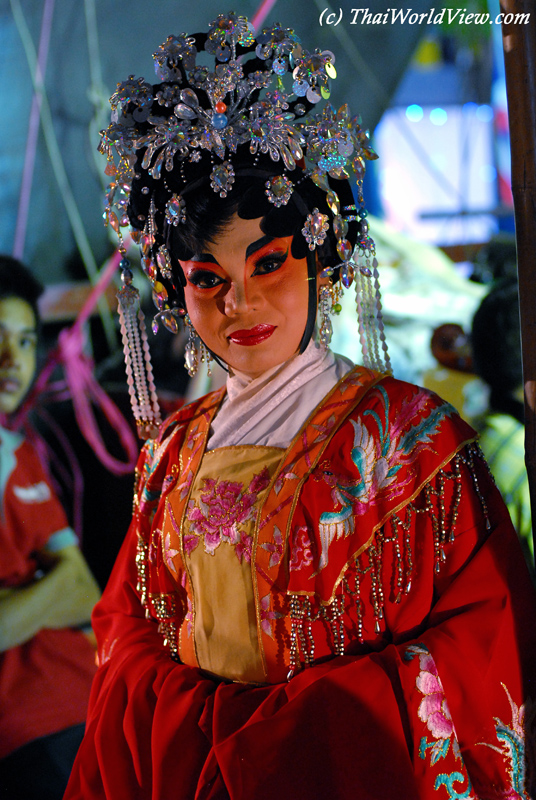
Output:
(140, 381)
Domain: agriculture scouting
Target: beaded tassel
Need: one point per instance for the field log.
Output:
(375, 553)
(294, 646)
(302, 617)
(379, 316)
(140, 380)
(165, 609)
(336, 613)
(473, 451)
(142, 559)
(206, 359)
(191, 353)
(369, 315)
(324, 306)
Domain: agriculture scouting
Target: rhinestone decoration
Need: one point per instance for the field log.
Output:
(164, 262)
(175, 210)
(331, 142)
(222, 178)
(279, 190)
(315, 228)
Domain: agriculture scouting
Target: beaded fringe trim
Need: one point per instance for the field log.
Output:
(304, 611)
(162, 606)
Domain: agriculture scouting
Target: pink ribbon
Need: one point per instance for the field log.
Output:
(85, 391)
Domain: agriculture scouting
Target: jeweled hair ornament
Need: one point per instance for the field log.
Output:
(261, 96)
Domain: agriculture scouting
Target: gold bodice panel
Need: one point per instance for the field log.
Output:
(212, 545)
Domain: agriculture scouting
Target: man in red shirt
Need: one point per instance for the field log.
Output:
(47, 591)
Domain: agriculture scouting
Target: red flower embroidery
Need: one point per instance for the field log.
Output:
(302, 554)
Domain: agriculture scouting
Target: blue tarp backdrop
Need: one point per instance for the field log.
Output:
(93, 44)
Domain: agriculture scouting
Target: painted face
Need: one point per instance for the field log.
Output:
(247, 297)
(18, 342)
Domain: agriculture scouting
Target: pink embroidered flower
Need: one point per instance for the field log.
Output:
(259, 482)
(324, 429)
(275, 548)
(285, 476)
(243, 548)
(433, 709)
(225, 505)
(192, 436)
(169, 553)
(184, 487)
(268, 616)
(190, 543)
(189, 618)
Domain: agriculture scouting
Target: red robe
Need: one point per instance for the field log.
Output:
(395, 617)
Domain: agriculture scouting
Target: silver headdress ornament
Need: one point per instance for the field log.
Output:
(262, 90)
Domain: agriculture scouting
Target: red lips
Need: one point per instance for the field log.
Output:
(252, 336)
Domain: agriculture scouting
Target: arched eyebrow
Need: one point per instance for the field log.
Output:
(203, 257)
(250, 249)
(254, 246)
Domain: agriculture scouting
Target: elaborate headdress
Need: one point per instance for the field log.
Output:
(252, 115)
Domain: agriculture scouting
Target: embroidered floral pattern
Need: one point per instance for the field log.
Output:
(511, 739)
(184, 487)
(223, 507)
(267, 616)
(302, 555)
(169, 553)
(284, 476)
(275, 548)
(379, 454)
(433, 711)
(243, 548)
(189, 617)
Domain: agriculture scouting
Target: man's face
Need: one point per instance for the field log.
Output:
(18, 343)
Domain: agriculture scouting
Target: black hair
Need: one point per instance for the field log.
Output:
(496, 343)
(16, 280)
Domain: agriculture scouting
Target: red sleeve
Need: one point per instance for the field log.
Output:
(434, 716)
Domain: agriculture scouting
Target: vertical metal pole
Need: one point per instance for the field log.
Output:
(519, 44)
